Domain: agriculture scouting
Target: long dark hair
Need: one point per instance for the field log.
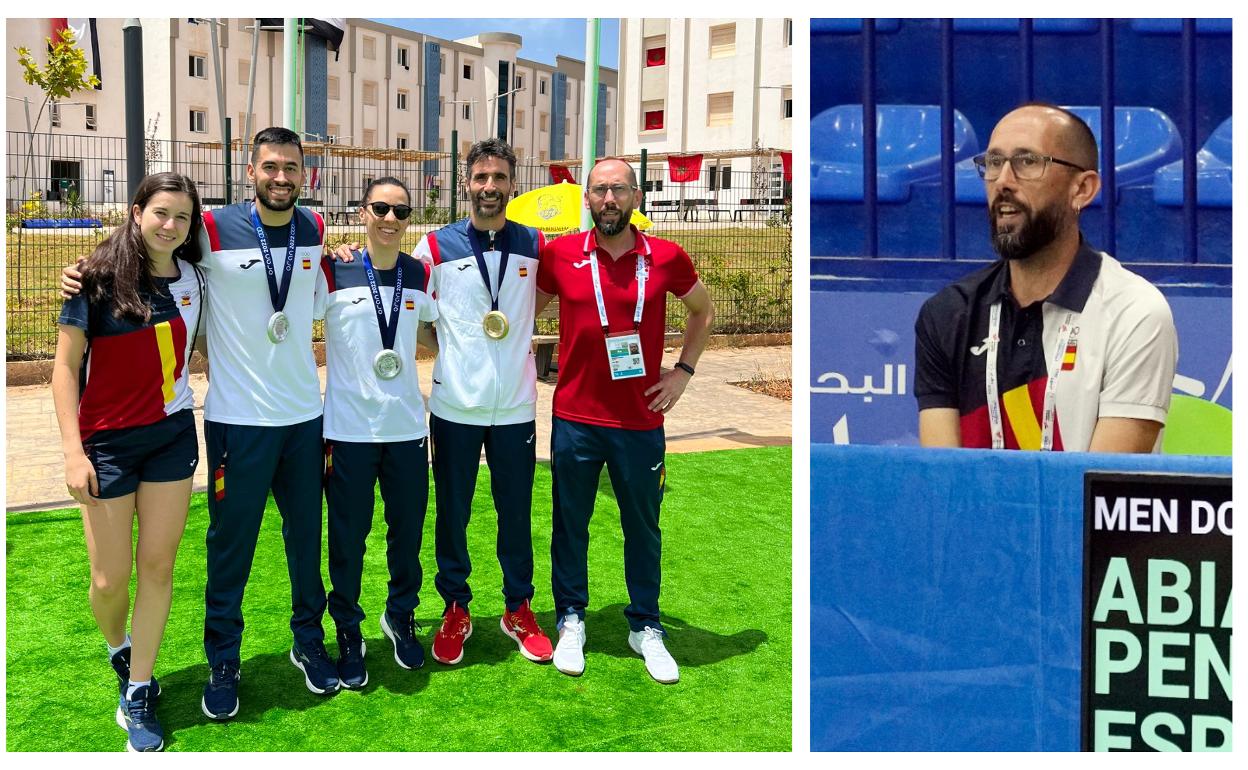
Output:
(120, 265)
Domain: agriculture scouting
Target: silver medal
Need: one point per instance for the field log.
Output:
(387, 364)
(279, 327)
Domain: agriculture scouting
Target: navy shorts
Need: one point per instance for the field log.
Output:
(163, 451)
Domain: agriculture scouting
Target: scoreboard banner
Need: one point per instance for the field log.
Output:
(1156, 612)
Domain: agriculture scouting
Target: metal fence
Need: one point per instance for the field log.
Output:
(65, 194)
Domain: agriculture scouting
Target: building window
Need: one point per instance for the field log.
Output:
(370, 47)
(401, 102)
(567, 126)
(401, 142)
(441, 144)
(719, 177)
(519, 154)
(442, 63)
(723, 41)
(652, 116)
(467, 112)
(519, 81)
(541, 156)
(244, 71)
(333, 184)
(403, 54)
(333, 131)
(786, 102)
(441, 106)
(54, 114)
(543, 121)
(197, 68)
(656, 50)
(240, 128)
(606, 133)
(788, 32)
(370, 137)
(464, 147)
(92, 123)
(199, 121)
(519, 118)
(541, 86)
(370, 93)
(607, 99)
(719, 109)
(467, 70)
(331, 87)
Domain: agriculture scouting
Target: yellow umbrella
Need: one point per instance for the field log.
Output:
(556, 209)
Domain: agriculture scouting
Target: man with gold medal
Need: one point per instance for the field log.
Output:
(483, 273)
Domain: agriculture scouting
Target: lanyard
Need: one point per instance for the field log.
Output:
(388, 328)
(641, 290)
(475, 240)
(278, 296)
(1049, 416)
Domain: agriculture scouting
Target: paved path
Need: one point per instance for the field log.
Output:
(712, 414)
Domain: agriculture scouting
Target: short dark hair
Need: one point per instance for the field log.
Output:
(275, 135)
(492, 148)
(385, 180)
(1078, 137)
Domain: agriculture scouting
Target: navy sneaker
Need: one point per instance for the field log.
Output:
(319, 672)
(351, 671)
(220, 699)
(121, 666)
(139, 720)
(407, 651)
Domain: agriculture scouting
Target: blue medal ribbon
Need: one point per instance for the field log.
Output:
(277, 295)
(389, 329)
(475, 240)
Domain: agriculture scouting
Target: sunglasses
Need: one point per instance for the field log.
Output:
(381, 208)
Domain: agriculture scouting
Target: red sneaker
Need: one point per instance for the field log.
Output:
(448, 643)
(523, 628)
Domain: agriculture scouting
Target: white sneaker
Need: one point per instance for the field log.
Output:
(570, 652)
(648, 643)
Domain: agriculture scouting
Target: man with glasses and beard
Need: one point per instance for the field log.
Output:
(1056, 346)
(612, 283)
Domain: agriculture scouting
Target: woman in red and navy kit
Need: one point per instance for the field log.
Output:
(128, 433)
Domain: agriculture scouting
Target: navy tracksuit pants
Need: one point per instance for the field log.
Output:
(353, 471)
(511, 453)
(245, 462)
(634, 460)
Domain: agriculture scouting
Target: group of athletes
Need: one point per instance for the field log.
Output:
(242, 285)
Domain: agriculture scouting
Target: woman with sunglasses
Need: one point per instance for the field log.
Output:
(376, 309)
(127, 427)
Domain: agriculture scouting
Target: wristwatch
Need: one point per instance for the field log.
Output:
(685, 366)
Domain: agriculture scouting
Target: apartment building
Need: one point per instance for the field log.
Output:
(385, 88)
(713, 86)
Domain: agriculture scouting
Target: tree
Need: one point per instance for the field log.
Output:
(64, 74)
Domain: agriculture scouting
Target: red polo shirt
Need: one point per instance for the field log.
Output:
(585, 392)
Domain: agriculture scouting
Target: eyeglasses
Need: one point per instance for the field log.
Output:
(381, 208)
(617, 190)
(1025, 165)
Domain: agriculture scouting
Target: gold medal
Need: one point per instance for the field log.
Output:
(495, 325)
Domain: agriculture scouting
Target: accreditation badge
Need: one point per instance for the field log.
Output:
(624, 355)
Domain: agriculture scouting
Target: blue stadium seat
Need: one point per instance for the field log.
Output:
(1058, 26)
(908, 141)
(1213, 174)
(1175, 26)
(850, 26)
(1146, 139)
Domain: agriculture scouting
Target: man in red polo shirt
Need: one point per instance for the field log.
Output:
(612, 283)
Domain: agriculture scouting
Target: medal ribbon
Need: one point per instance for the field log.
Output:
(1049, 416)
(475, 240)
(389, 329)
(276, 295)
(641, 290)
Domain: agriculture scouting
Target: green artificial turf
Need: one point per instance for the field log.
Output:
(727, 592)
